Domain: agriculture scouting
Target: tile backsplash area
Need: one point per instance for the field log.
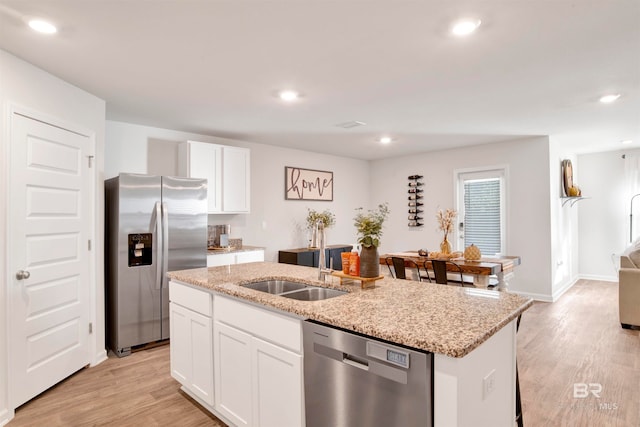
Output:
(214, 240)
(235, 243)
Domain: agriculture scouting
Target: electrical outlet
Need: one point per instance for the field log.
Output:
(488, 384)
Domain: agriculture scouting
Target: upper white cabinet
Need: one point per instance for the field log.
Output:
(227, 169)
(236, 165)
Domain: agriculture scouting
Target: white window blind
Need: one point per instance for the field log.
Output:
(482, 214)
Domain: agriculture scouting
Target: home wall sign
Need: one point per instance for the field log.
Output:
(307, 184)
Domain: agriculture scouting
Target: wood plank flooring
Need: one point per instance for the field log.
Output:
(136, 390)
(577, 339)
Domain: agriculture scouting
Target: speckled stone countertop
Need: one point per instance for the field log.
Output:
(437, 318)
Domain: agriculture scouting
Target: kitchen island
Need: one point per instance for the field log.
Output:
(471, 333)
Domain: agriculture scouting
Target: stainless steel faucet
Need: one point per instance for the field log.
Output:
(322, 259)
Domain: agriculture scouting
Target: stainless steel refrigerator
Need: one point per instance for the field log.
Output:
(153, 224)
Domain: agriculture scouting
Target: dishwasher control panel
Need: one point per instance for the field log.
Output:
(388, 354)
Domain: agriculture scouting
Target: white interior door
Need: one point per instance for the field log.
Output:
(48, 257)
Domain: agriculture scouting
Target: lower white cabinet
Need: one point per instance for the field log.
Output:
(192, 341)
(249, 256)
(232, 371)
(277, 380)
(249, 358)
(257, 382)
(219, 259)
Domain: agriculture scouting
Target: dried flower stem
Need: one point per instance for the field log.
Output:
(445, 220)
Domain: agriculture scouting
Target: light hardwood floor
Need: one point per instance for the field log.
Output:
(577, 339)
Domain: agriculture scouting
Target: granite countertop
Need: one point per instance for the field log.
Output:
(244, 248)
(437, 318)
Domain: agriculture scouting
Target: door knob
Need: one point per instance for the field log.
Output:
(21, 274)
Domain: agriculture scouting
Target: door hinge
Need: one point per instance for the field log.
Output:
(89, 244)
(90, 327)
(90, 159)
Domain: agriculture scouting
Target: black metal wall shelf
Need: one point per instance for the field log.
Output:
(415, 198)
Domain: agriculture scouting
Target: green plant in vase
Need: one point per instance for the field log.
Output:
(326, 217)
(369, 227)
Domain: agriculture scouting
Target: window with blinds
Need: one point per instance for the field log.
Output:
(482, 214)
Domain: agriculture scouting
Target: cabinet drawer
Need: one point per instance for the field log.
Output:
(191, 298)
(251, 256)
(268, 325)
(217, 260)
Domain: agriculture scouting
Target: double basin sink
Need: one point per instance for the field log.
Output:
(294, 290)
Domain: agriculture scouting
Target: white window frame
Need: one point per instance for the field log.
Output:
(459, 176)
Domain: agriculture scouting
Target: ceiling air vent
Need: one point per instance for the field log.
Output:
(351, 124)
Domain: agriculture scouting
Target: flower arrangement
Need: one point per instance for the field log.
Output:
(445, 220)
(326, 216)
(369, 225)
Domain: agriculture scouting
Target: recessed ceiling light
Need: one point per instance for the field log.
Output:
(627, 141)
(42, 26)
(465, 27)
(609, 98)
(385, 140)
(289, 95)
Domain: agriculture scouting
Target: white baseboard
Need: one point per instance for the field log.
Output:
(563, 288)
(100, 357)
(598, 277)
(546, 297)
(6, 415)
(534, 296)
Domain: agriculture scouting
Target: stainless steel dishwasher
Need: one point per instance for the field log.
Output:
(352, 380)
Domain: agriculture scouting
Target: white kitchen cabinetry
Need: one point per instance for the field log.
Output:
(227, 169)
(236, 175)
(218, 259)
(233, 374)
(276, 369)
(201, 160)
(191, 340)
(258, 365)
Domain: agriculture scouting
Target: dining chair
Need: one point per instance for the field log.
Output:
(440, 271)
(399, 267)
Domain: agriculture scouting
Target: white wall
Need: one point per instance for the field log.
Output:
(604, 219)
(527, 211)
(564, 222)
(274, 222)
(24, 85)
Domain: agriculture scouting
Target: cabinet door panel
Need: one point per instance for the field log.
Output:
(236, 179)
(202, 160)
(201, 383)
(252, 256)
(277, 386)
(179, 346)
(191, 351)
(218, 260)
(232, 372)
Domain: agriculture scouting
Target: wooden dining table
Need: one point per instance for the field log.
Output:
(481, 270)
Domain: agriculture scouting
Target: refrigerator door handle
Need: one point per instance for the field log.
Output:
(159, 244)
(165, 244)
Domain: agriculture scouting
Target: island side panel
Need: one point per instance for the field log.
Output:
(480, 388)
